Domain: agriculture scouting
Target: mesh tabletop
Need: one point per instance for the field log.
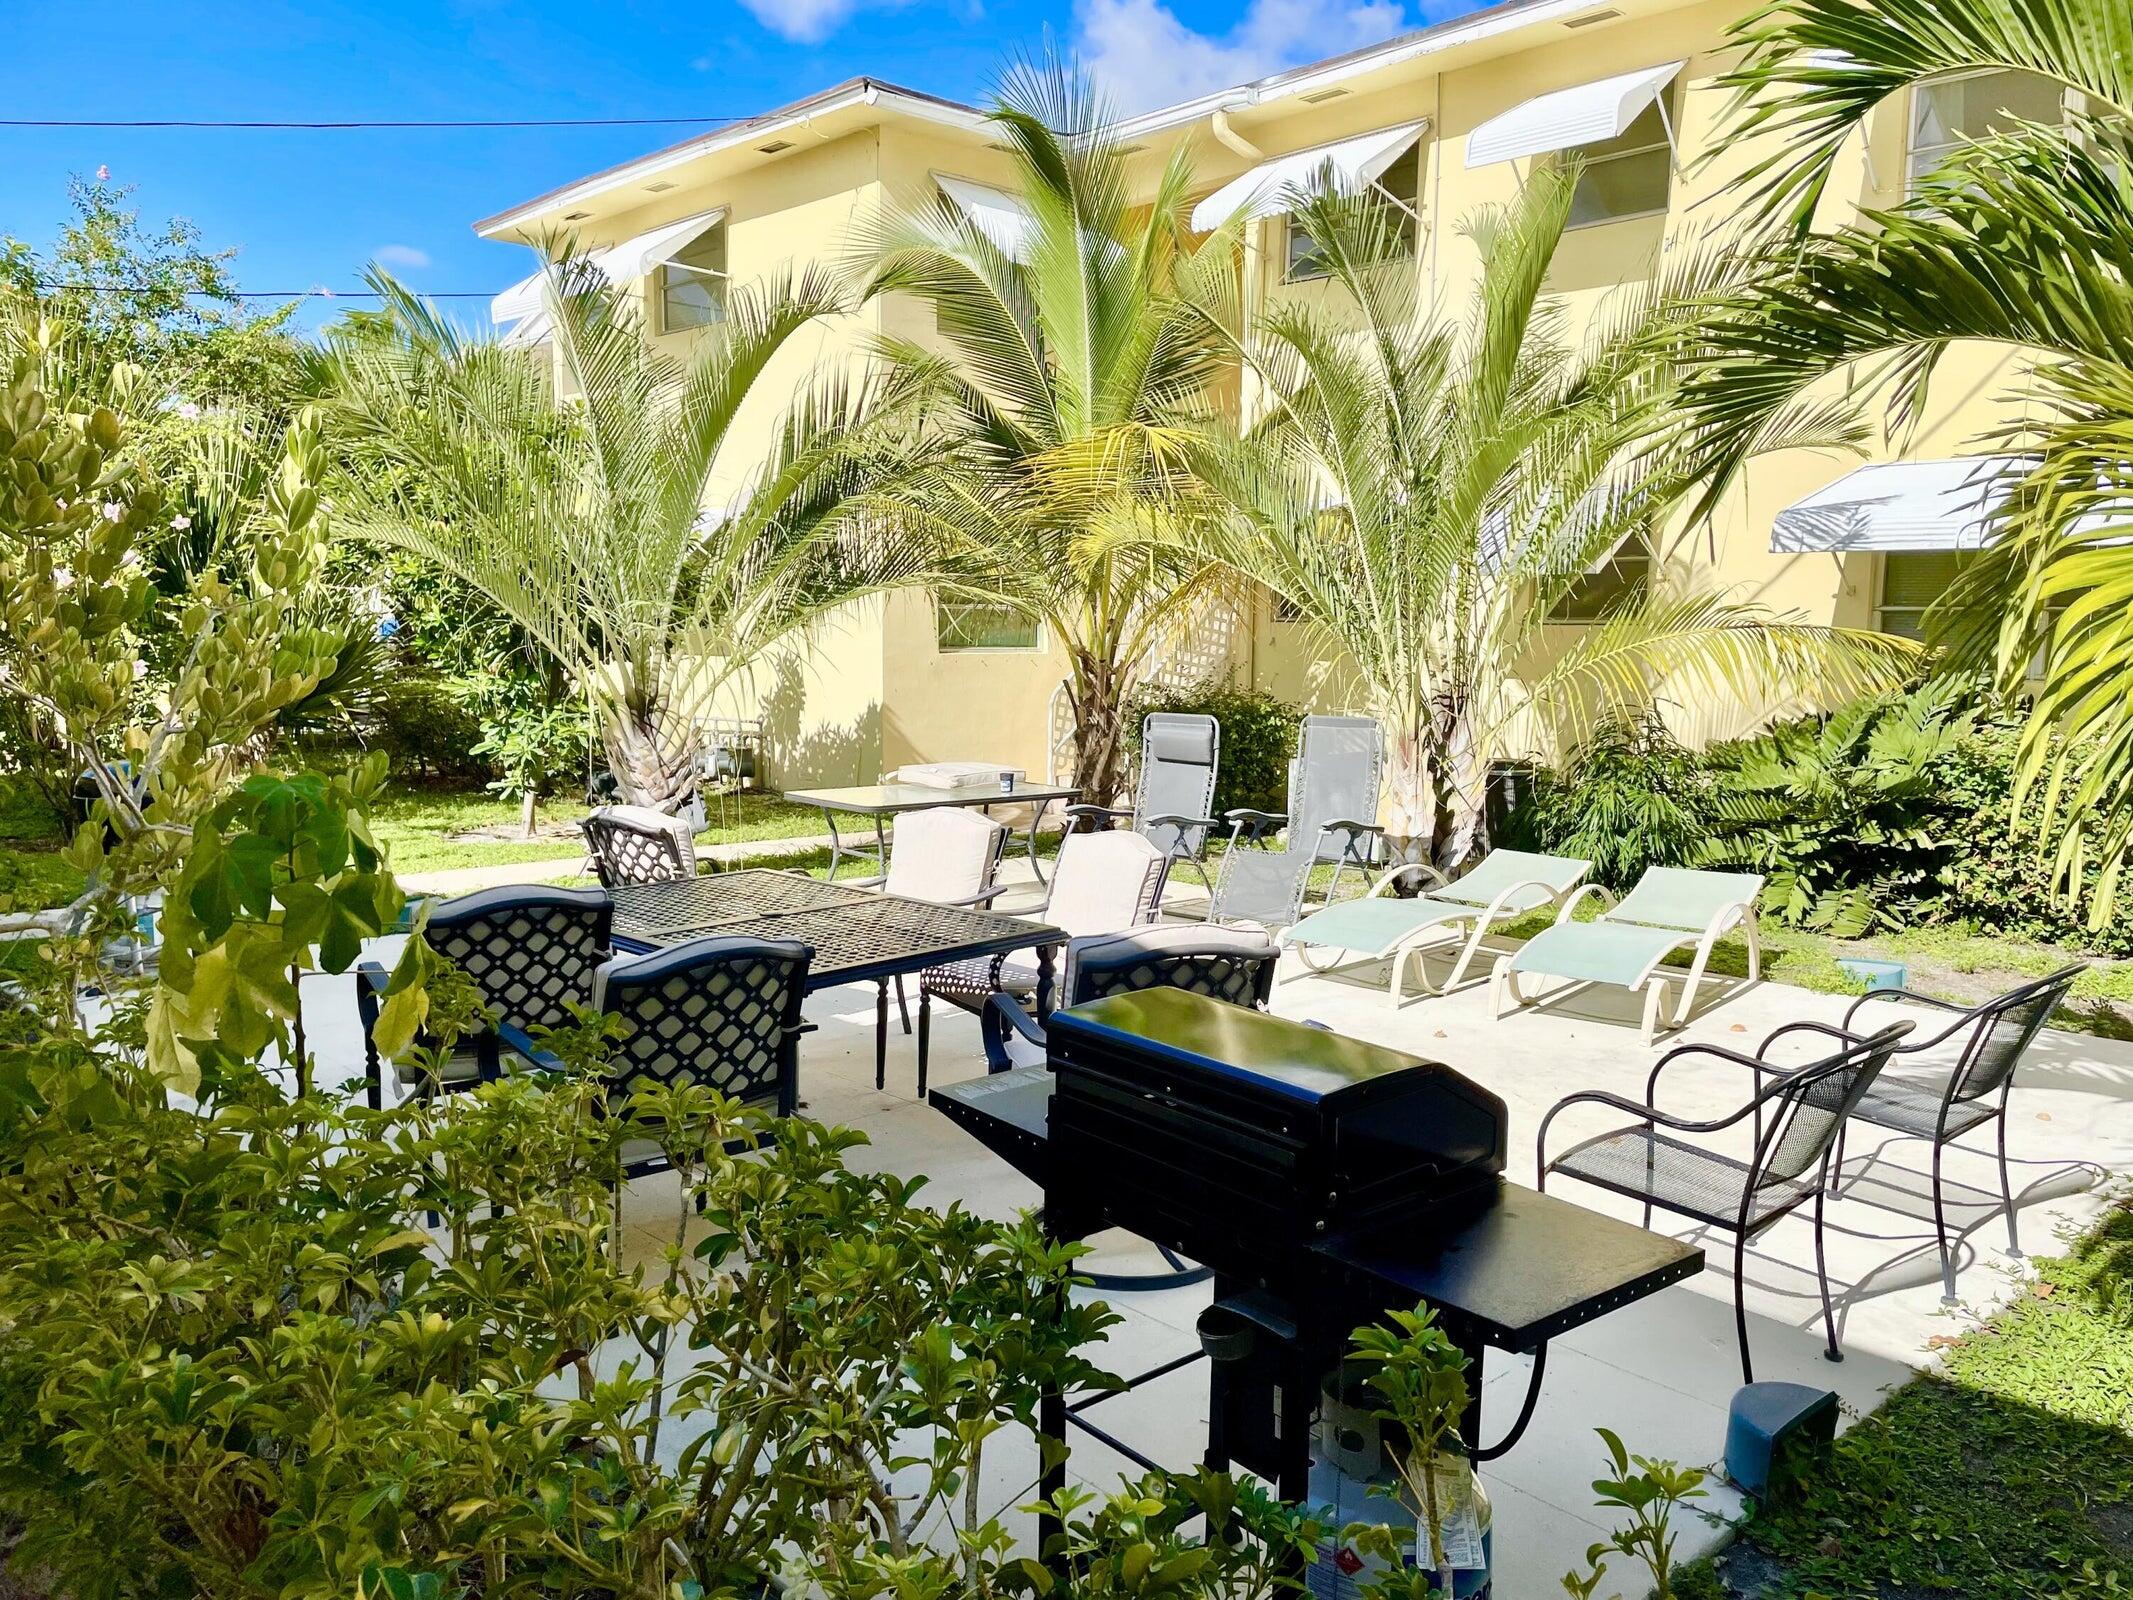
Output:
(855, 933)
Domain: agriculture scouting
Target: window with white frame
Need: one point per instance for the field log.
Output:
(1911, 582)
(1952, 112)
(1397, 192)
(1629, 176)
(983, 625)
(692, 283)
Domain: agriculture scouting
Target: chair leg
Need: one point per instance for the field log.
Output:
(1940, 1229)
(1503, 985)
(2014, 1236)
(925, 1035)
(1654, 1009)
(1836, 1158)
(881, 1034)
(903, 1007)
(1829, 1315)
(1740, 1304)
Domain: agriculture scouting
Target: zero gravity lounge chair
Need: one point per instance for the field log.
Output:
(1180, 752)
(1624, 947)
(1503, 886)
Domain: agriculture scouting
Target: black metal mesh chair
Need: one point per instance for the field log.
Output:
(1940, 1102)
(527, 949)
(720, 1010)
(1796, 1119)
(1225, 963)
(634, 844)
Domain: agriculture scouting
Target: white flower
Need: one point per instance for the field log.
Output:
(140, 669)
(62, 577)
(113, 511)
(181, 522)
(188, 411)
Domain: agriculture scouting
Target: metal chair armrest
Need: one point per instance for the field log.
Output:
(1682, 1051)
(1349, 825)
(1086, 811)
(516, 1041)
(1829, 1030)
(999, 1017)
(1172, 819)
(1911, 995)
(1648, 1114)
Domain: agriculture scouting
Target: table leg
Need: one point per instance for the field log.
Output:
(881, 852)
(829, 819)
(1044, 980)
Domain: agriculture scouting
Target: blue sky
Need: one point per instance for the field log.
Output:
(309, 209)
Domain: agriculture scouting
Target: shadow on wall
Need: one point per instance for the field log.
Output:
(798, 753)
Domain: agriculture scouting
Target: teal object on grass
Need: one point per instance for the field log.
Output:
(1874, 974)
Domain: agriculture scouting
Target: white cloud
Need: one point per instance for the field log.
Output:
(401, 255)
(803, 21)
(1143, 56)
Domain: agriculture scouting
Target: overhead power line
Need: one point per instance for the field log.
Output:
(340, 126)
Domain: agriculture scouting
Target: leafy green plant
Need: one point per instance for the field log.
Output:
(534, 733)
(1420, 1378)
(1843, 813)
(1651, 1492)
(1632, 796)
(1258, 739)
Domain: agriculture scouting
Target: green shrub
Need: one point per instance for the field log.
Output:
(1843, 814)
(427, 730)
(1258, 739)
(1633, 797)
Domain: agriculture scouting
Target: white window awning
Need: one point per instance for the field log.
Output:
(1263, 192)
(1587, 114)
(619, 263)
(1001, 217)
(1901, 505)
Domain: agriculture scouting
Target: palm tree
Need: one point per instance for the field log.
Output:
(1074, 378)
(584, 508)
(2023, 240)
(1426, 492)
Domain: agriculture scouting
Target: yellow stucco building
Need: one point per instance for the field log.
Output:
(1443, 121)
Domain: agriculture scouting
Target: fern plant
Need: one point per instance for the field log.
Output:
(1841, 813)
(1633, 796)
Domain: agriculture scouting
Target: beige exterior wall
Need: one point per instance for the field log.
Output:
(875, 691)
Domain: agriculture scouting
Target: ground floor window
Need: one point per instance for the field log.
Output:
(983, 625)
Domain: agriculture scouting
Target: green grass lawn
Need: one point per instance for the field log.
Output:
(435, 830)
(2007, 1475)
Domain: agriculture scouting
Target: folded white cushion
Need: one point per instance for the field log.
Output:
(949, 774)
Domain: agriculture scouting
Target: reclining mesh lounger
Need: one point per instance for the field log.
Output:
(1502, 887)
(1623, 947)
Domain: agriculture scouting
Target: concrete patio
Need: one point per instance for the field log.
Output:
(1659, 1373)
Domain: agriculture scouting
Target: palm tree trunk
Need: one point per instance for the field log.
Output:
(1095, 690)
(1410, 808)
(529, 805)
(1463, 795)
(651, 766)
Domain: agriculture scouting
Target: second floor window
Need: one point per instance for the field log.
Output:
(1397, 191)
(1624, 578)
(1631, 176)
(1957, 111)
(692, 283)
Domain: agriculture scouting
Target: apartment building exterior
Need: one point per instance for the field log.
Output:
(1439, 122)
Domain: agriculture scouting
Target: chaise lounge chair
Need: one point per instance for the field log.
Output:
(1502, 887)
(1670, 908)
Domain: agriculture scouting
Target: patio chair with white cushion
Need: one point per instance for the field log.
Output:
(527, 949)
(1103, 883)
(948, 857)
(1670, 909)
(1795, 1120)
(636, 844)
(1503, 886)
(720, 1011)
(1333, 797)
(1172, 808)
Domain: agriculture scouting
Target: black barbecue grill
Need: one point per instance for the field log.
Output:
(1238, 1139)
(1325, 1180)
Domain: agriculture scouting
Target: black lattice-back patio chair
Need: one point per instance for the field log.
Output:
(528, 950)
(1940, 1100)
(720, 1010)
(1226, 963)
(635, 844)
(1796, 1117)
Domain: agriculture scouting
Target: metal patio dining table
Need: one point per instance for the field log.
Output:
(858, 935)
(880, 801)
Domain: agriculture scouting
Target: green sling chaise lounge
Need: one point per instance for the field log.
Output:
(1501, 888)
(1671, 907)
